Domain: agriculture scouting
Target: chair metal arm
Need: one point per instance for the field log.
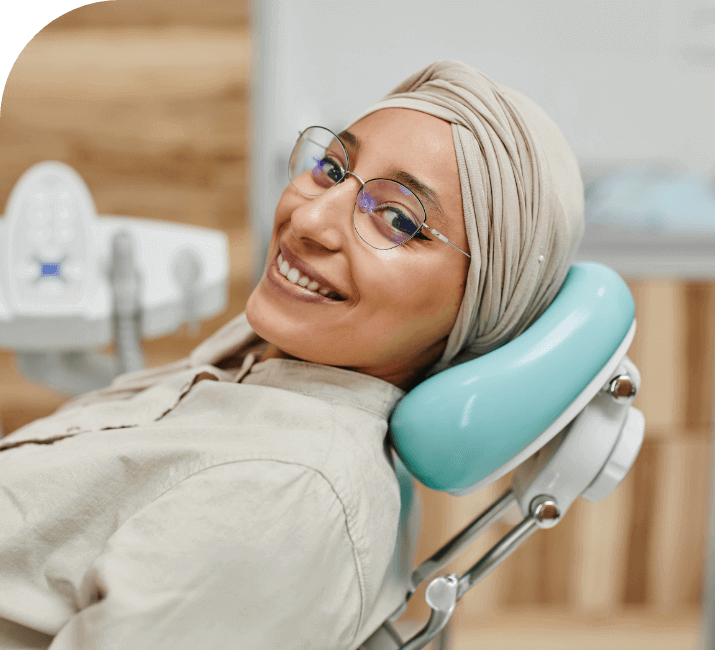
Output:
(439, 560)
(444, 592)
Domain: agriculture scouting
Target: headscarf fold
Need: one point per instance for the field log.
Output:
(522, 196)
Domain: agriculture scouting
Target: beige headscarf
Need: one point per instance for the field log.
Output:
(522, 196)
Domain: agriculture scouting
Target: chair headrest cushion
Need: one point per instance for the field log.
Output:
(464, 423)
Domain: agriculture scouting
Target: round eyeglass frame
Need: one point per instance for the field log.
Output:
(347, 172)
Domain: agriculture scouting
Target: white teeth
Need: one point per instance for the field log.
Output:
(294, 276)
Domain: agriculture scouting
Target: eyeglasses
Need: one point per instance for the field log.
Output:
(386, 213)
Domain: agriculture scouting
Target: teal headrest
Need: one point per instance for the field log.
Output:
(461, 425)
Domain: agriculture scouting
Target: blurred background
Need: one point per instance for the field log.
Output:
(186, 111)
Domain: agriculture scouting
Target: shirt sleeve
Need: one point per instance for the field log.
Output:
(253, 554)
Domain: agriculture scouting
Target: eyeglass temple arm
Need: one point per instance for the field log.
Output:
(439, 235)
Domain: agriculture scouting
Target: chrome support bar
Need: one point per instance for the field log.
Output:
(497, 554)
(544, 514)
(443, 592)
(439, 560)
(441, 596)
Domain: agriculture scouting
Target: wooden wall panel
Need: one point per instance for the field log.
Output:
(660, 333)
(678, 525)
(149, 102)
(600, 539)
(157, 125)
(699, 365)
(218, 14)
(645, 476)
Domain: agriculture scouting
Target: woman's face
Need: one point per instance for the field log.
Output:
(400, 304)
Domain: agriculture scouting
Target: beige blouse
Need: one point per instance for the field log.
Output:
(200, 505)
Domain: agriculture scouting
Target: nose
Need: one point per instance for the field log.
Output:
(328, 218)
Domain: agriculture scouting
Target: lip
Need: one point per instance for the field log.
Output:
(295, 291)
(306, 269)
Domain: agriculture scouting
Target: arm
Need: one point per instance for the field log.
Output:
(253, 554)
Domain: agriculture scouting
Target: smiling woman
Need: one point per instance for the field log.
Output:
(399, 302)
(436, 227)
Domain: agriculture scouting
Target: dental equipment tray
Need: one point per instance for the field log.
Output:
(62, 266)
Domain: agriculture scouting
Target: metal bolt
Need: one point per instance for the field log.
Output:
(545, 511)
(622, 388)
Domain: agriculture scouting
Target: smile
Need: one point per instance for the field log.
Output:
(296, 284)
(296, 277)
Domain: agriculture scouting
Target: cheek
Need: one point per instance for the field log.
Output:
(418, 297)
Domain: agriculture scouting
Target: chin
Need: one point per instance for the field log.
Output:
(262, 320)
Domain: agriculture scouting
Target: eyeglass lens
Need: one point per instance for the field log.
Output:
(386, 213)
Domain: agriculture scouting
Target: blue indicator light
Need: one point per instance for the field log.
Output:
(50, 270)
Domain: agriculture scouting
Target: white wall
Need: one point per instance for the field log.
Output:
(627, 82)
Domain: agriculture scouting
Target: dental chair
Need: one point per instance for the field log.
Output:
(567, 387)
(71, 281)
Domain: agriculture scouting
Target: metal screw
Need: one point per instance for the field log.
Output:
(545, 511)
(622, 388)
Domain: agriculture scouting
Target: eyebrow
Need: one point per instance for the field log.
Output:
(350, 139)
(426, 193)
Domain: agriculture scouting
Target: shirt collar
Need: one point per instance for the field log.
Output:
(315, 379)
(327, 382)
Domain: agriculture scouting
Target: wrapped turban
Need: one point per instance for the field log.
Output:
(522, 196)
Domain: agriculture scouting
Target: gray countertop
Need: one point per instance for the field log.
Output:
(648, 254)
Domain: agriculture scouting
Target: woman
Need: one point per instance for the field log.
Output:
(259, 508)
